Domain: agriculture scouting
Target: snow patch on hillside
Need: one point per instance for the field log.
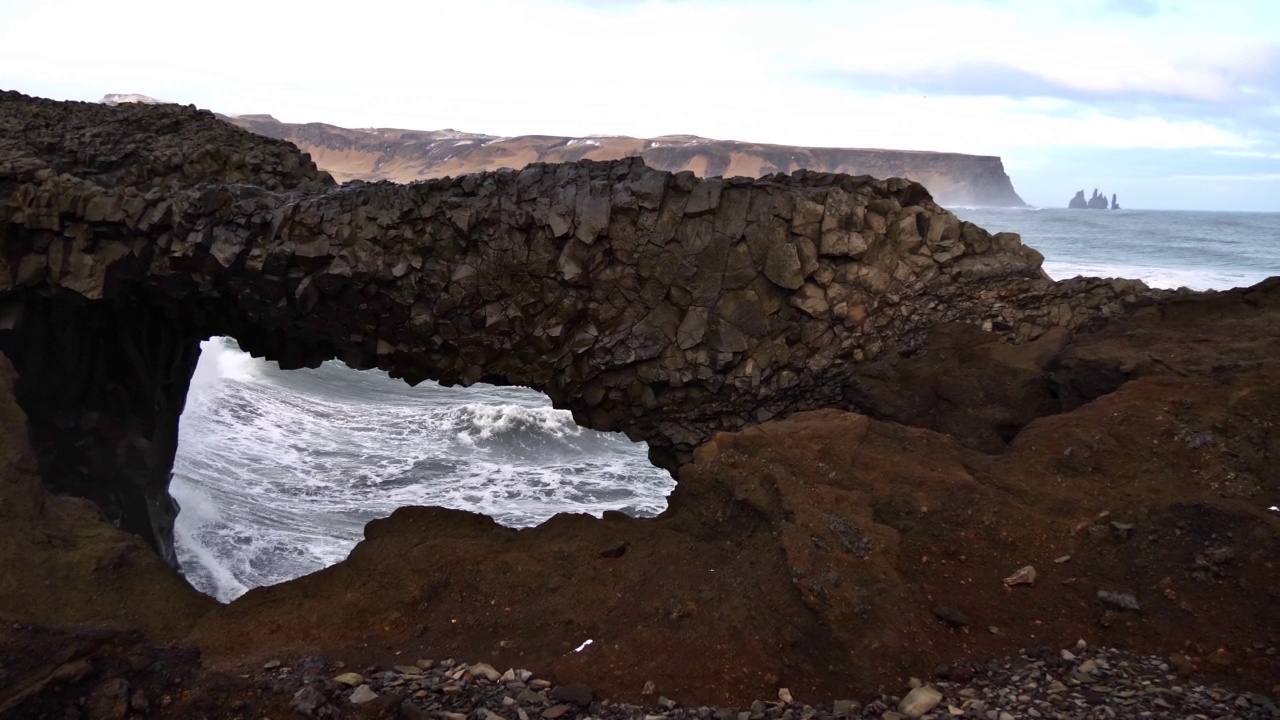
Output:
(122, 98)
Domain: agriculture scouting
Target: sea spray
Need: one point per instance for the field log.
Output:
(277, 472)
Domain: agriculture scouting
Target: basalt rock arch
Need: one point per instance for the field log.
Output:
(651, 303)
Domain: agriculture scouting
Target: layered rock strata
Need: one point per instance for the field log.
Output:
(652, 303)
(411, 155)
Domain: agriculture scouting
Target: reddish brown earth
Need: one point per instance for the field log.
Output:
(816, 553)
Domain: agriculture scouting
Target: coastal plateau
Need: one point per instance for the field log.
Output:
(876, 412)
(409, 155)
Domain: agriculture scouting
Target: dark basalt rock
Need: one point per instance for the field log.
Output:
(1097, 202)
(651, 303)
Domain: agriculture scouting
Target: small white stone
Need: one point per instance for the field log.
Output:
(785, 695)
(363, 694)
(919, 701)
(1025, 575)
(1068, 656)
(352, 679)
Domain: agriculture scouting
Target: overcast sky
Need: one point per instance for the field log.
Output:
(1169, 103)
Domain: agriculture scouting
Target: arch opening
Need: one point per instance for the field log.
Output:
(277, 471)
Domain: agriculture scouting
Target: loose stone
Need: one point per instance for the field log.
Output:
(352, 679)
(919, 701)
(363, 694)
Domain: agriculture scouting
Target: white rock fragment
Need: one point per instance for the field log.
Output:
(1024, 576)
(363, 694)
(352, 679)
(920, 701)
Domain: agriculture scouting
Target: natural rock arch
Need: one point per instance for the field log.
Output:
(657, 304)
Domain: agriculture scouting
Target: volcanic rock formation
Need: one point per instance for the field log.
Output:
(653, 303)
(1097, 202)
(731, 323)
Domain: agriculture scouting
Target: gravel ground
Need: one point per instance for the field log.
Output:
(1074, 683)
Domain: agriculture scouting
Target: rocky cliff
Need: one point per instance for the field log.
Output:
(409, 155)
(658, 304)
(875, 412)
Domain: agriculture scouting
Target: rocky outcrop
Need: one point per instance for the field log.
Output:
(410, 155)
(1096, 202)
(64, 563)
(830, 553)
(653, 303)
(877, 414)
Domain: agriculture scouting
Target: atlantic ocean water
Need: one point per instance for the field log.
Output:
(278, 471)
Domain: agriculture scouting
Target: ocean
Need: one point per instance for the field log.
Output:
(278, 471)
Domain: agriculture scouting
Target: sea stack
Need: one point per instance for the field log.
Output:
(1097, 201)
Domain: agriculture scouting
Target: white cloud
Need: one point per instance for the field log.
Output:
(743, 70)
(1253, 154)
(1247, 177)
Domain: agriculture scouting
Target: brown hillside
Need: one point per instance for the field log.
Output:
(409, 155)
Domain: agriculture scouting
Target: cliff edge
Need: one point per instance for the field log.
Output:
(408, 155)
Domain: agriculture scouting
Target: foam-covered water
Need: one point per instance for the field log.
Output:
(1167, 249)
(277, 472)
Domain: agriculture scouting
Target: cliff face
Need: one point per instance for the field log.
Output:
(409, 155)
(653, 303)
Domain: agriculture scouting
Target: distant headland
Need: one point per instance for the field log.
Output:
(1097, 202)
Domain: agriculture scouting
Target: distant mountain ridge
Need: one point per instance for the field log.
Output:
(402, 156)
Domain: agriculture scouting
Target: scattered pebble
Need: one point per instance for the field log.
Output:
(1077, 683)
(920, 701)
(350, 678)
(1124, 601)
(1024, 576)
(363, 694)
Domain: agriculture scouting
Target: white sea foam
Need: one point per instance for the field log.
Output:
(277, 472)
(1156, 277)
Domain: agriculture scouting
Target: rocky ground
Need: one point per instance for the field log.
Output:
(1079, 682)
(112, 675)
